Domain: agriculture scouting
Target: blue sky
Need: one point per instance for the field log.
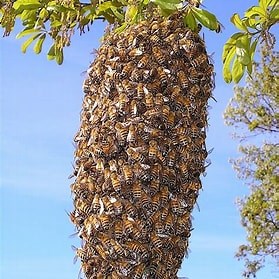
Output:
(40, 108)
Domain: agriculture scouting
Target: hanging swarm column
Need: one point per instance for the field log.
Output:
(141, 150)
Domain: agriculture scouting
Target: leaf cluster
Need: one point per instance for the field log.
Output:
(255, 109)
(59, 19)
(239, 50)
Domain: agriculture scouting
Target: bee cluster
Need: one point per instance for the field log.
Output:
(140, 150)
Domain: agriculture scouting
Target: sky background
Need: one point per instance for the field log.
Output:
(40, 110)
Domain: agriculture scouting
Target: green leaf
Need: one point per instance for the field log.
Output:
(26, 32)
(230, 44)
(243, 49)
(121, 28)
(226, 66)
(28, 15)
(59, 56)
(26, 44)
(43, 13)
(51, 53)
(104, 6)
(131, 13)
(255, 11)
(206, 18)
(235, 19)
(26, 5)
(275, 14)
(190, 21)
(166, 5)
(119, 15)
(38, 45)
(237, 70)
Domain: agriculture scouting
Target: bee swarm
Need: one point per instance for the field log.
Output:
(141, 150)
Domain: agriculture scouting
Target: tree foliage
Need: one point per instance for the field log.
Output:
(255, 109)
(59, 19)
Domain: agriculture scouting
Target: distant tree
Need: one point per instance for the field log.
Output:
(255, 109)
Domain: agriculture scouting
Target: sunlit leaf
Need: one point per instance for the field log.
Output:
(230, 44)
(255, 11)
(26, 44)
(131, 13)
(59, 57)
(26, 5)
(38, 45)
(237, 70)
(51, 53)
(226, 66)
(26, 32)
(190, 21)
(235, 19)
(206, 18)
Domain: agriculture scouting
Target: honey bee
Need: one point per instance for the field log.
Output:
(127, 69)
(100, 165)
(80, 253)
(136, 190)
(128, 173)
(128, 87)
(171, 158)
(162, 76)
(159, 55)
(101, 251)
(143, 62)
(169, 223)
(144, 201)
(164, 212)
(118, 249)
(159, 99)
(112, 113)
(105, 221)
(156, 241)
(155, 201)
(153, 149)
(183, 224)
(138, 75)
(155, 40)
(131, 210)
(96, 205)
(149, 102)
(134, 109)
(83, 206)
(128, 226)
(124, 268)
(156, 171)
(135, 154)
(153, 219)
(154, 187)
(122, 132)
(113, 165)
(135, 52)
(141, 91)
(138, 249)
(118, 230)
(164, 195)
(159, 227)
(108, 205)
(139, 270)
(131, 137)
(174, 205)
(118, 207)
(165, 112)
(115, 181)
(182, 77)
(171, 120)
(200, 62)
